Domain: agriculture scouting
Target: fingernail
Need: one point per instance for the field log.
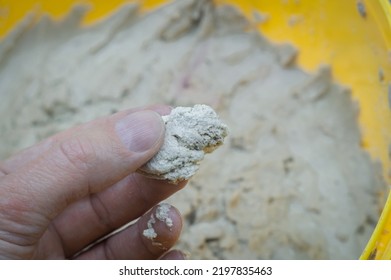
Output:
(185, 255)
(175, 255)
(179, 255)
(140, 131)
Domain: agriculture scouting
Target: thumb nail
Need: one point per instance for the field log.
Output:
(140, 131)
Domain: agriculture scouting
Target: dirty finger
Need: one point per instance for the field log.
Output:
(149, 238)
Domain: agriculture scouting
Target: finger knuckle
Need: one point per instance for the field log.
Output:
(102, 213)
(78, 152)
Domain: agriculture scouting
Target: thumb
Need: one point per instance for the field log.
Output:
(84, 162)
(141, 132)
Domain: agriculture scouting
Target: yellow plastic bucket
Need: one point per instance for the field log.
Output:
(353, 36)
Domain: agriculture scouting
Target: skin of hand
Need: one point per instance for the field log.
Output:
(70, 190)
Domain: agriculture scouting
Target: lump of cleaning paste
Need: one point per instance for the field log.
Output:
(190, 133)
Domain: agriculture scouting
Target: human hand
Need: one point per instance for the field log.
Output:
(68, 191)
